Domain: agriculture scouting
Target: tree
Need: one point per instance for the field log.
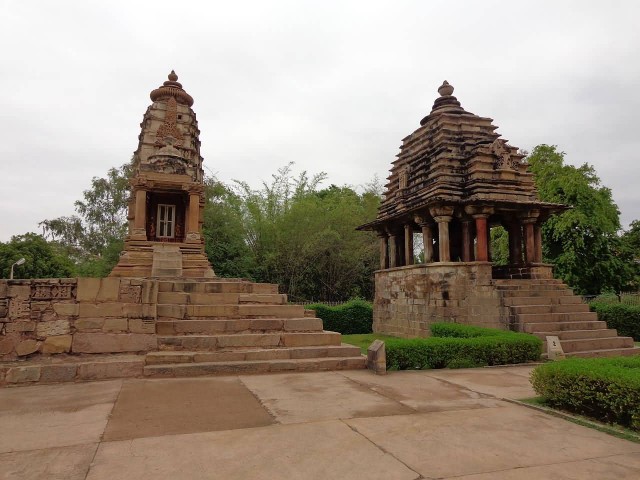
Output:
(582, 242)
(292, 233)
(94, 237)
(42, 259)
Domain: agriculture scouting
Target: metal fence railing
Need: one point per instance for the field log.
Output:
(623, 298)
(309, 302)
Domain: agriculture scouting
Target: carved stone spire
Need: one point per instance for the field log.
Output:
(172, 88)
(445, 103)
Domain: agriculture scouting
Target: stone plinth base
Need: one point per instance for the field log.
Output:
(409, 299)
(137, 260)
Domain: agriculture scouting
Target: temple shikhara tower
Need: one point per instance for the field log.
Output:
(453, 180)
(167, 197)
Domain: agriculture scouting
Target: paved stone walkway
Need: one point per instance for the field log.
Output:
(343, 425)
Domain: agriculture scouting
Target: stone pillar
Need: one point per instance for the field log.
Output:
(384, 251)
(427, 240)
(443, 237)
(482, 247)
(193, 218)
(467, 241)
(408, 244)
(515, 243)
(443, 215)
(537, 235)
(393, 251)
(530, 242)
(140, 219)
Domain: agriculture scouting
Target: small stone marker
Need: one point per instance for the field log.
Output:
(554, 349)
(377, 357)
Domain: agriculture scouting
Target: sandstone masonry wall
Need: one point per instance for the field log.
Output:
(77, 315)
(409, 299)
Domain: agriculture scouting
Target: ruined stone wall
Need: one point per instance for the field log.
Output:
(409, 299)
(83, 315)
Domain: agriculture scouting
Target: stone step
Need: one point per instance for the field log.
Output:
(218, 286)
(580, 334)
(541, 300)
(527, 281)
(262, 325)
(571, 308)
(244, 340)
(194, 298)
(613, 352)
(169, 357)
(551, 293)
(556, 317)
(590, 344)
(176, 311)
(256, 366)
(563, 326)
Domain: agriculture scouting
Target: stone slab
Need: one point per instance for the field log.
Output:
(311, 451)
(295, 398)
(464, 442)
(65, 463)
(420, 392)
(501, 382)
(148, 408)
(46, 416)
(113, 342)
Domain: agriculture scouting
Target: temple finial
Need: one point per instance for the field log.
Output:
(173, 77)
(445, 89)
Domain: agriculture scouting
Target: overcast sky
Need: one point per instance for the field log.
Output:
(331, 85)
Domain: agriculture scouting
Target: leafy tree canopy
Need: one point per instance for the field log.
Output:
(42, 259)
(582, 242)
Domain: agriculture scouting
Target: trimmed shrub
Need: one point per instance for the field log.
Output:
(624, 318)
(355, 316)
(607, 389)
(456, 345)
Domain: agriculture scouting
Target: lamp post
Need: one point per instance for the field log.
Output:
(19, 262)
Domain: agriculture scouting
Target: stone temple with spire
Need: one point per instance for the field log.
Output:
(453, 180)
(167, 196)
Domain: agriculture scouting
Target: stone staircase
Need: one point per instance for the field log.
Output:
(235, 326)
(548, 307)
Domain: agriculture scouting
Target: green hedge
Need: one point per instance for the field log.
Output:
(607, 389)
(355, 316)
(458, 346)
(624, 318)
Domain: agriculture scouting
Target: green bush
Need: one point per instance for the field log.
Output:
(624, 318)
(455, 345)
(607, 389)
(355, 316)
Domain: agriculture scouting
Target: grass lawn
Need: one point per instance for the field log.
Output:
(363, 340)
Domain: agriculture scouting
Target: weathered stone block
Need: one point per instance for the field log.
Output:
(88, 324)
(58, 373)
(27, 347)
(115, 325)
(8, 344)
(110, 369)
(25, 374)
(101, 310)
(377, 358)
(14, 327)
(57, 344)
(66, 309)
(109, 290)
(57, 327)
(138, 325)
(132, 310)
(113, 342)
(88, 289)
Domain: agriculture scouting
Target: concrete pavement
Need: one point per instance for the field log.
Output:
(348, 425)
